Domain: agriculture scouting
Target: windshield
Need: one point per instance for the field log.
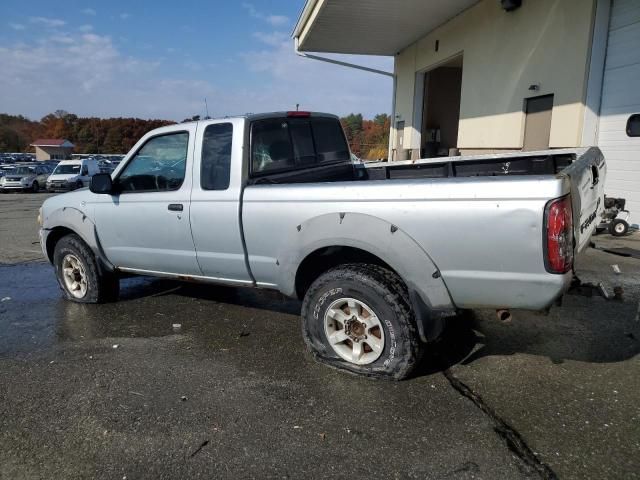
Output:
(67, 169)
(23, 171)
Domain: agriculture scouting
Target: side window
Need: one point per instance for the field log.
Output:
(633, 125)
(331, 145)
(271, 146)
(158, 166)
(215, 167)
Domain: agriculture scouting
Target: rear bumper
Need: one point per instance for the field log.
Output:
(536, 291)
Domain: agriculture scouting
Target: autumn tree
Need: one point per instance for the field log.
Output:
(368, 139)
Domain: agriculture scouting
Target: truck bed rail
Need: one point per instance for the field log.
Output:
(547, 162)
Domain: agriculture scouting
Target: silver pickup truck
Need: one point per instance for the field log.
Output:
(381, 254)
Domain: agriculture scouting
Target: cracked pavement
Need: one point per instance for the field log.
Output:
(116, 390)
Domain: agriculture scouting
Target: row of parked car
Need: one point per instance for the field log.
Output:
(52, 176)
(16, 157)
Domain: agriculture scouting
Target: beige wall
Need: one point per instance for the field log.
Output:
(545, 42)
(45, 153)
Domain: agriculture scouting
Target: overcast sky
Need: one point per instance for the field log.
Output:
(161, 59)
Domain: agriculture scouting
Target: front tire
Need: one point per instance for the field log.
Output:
(356, 317)
(35, 188)
(79, 275)
(619, 228)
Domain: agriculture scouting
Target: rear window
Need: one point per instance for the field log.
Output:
(285, 144)
(330, 143)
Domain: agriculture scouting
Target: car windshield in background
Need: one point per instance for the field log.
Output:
(23, 171)
(67, 169)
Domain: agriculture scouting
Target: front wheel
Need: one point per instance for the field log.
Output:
(618, 227)
(356, 318)
(78, 273)
(35, 188)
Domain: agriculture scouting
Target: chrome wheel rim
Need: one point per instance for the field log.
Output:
(619, 228)
(354, 331)
(74, 275)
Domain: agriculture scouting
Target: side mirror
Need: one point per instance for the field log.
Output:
(101, 183)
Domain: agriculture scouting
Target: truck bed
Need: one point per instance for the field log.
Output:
(479, 219)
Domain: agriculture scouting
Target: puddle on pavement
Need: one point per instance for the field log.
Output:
(216, 318)
(34, 316)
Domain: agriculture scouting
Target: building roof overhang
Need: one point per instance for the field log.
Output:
(370, 27)
(52, 142)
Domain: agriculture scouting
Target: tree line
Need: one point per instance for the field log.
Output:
(367, 138)
(88, 134)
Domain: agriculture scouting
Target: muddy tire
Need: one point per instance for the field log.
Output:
(78, 273)
(357, 318)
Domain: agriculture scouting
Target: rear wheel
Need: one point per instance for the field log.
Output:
(618, 227)
(35, 188)
(78, 273)
(356, 318)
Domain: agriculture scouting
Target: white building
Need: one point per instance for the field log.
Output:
(500, 75)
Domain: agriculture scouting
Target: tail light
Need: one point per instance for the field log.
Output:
(558, 235)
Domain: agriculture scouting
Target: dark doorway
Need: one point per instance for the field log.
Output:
(537, 129)
(441, 109)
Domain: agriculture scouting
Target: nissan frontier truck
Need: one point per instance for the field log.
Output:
(382, 255)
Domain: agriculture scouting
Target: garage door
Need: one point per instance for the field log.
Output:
(620, 101)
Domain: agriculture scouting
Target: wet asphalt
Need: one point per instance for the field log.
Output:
(189, 381)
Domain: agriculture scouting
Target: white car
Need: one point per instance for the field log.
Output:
(72, 174)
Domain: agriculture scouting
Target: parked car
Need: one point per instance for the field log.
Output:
(381, 255)
(72, 174)
(51, 164)
(24, 178)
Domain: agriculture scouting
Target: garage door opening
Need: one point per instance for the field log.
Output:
(441, 109)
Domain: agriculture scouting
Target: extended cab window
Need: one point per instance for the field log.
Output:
(215, 168)
(633, 125)
(158, 166)
(287, 144)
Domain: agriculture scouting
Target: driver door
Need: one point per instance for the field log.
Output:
(145, 225)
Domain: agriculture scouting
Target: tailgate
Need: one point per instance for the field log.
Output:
(587, 176)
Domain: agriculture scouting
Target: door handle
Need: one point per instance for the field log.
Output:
(175, 207)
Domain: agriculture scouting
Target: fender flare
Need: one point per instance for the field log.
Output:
(78, 222)
(428, 292)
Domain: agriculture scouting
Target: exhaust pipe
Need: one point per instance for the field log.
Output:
(504, 316)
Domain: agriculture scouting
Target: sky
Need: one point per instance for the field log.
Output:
(162, 59)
